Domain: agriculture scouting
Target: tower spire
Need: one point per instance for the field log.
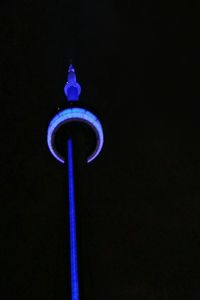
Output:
(72, 88)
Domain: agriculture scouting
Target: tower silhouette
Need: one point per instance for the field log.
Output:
(62, 139)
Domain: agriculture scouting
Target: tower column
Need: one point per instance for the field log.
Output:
(72, 223)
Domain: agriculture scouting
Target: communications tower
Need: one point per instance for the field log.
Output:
(62, 137)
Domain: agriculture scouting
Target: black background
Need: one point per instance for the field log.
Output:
(138, 65)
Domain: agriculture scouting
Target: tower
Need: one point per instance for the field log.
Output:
(72, 115)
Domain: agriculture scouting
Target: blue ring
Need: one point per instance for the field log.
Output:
(75, 114)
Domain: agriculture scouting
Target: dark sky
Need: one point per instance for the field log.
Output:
(139, 204)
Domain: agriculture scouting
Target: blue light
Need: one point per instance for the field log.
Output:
(72, 225)
(75, 114)
(72, 88)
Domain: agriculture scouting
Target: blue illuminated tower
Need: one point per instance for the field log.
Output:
(70, 115)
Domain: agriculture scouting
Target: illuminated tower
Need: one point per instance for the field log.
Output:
(67, 119)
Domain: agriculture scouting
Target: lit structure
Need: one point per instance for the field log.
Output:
(73, 114)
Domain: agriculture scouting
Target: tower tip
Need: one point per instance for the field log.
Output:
(72, 89)
(71, 68)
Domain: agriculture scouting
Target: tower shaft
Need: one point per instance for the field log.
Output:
(72, 223)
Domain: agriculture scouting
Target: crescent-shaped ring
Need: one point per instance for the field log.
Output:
(75, 114)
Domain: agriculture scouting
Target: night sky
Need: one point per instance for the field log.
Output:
(139, 201)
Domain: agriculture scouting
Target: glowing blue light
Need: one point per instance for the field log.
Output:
(72, 225)
(72, 88)
(75, 114)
